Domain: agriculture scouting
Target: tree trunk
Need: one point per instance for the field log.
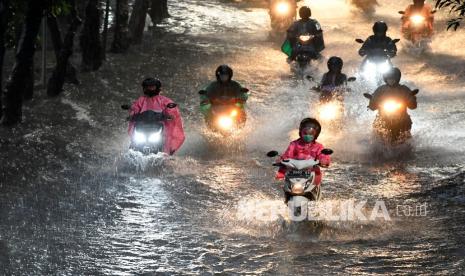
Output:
(158, 10)
(4, 16)
(137, 21)
(121, 36)
(55, 34)
(90, 38)
(105, 30)
(13, 96)
(56, 81)
(28, 92)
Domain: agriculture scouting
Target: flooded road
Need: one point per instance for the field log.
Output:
(84, 205)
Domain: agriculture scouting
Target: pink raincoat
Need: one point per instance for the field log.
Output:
(300, 150)
(174, 132)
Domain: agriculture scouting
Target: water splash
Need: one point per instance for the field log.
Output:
(142, 162)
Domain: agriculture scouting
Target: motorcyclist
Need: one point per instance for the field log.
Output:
(419, 7)
(394, 90)
(305, 25)
(305, 148)
(152, 100)
(223, 90)
(379, 44)
(332, 80)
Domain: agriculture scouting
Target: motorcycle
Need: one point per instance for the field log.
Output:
(282, 14)
(376, 64)
(417, 33)
(300, 184)
(305, 51)
(330, 109)
(149, 129)
(392, 123)
(226, 115)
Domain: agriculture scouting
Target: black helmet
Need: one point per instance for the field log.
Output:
(394, 73)
(310, 122)
(380, 27)
(224, 70)
(336, 63)
(305, 12)
(152, 82)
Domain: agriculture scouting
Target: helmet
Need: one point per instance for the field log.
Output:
(394, 73)
(380, 27)
(305, 12)
(310, 123)
(152, 82)
(223, 70)
(335, 63)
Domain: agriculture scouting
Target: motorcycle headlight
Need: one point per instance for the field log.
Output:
(370, 67)
(391, 106)
(384, 67)
(298, 185)
(139, 137)
(298, 188)
(369, 70)
(305, 38)
(225, 122)
(329, 111)
(417, 19)
(282, 8)
(155, 137)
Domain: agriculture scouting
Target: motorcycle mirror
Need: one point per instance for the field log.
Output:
(367, 95)
(202, 92)
(351, 79)
(401, 12)
(125, 107)
(316, 88)
(171, 105)
(415, 91)
(359, 40)
(327, 151)
(272, 153)
(395, 40)
(244, 90)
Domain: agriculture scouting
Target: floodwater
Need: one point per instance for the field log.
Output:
(74, 201)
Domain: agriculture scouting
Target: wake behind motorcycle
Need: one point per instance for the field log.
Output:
(301, 184)
(149, 130)
(392, 123)
(227, 115)
(375, 65)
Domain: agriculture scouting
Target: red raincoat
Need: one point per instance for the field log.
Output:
(174, 132)
(300, 150)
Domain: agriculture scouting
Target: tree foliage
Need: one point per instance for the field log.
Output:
(456, 7)
(18, 10)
